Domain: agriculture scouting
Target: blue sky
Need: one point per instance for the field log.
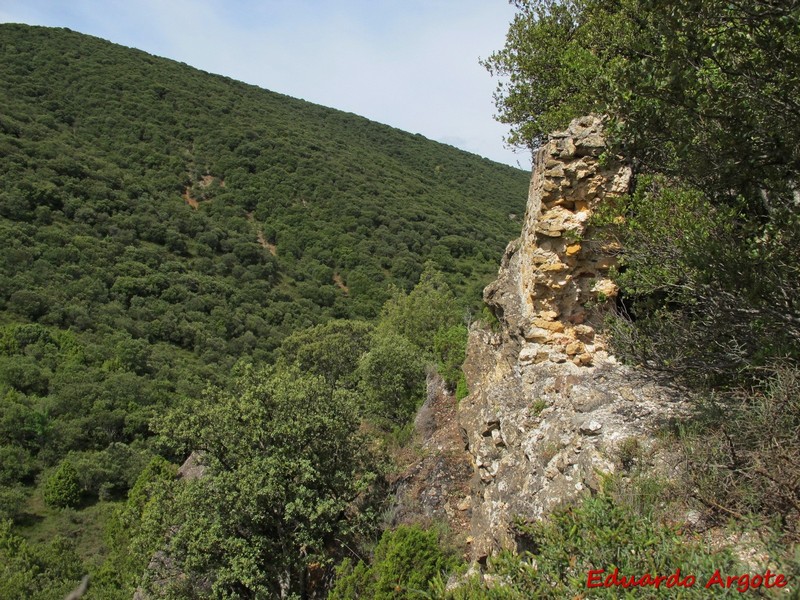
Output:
(412, 64)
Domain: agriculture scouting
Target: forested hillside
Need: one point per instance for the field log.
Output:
(160, 225)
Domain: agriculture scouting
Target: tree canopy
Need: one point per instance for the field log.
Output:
(702, 97)
(286, 473)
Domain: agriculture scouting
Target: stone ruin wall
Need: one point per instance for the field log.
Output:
(549, 406)
(553, 284)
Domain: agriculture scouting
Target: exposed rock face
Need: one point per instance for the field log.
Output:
(435, 484)
(549, 408)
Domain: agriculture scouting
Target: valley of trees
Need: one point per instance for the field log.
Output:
(181, 250)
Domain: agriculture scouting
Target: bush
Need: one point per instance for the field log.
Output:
(36, 571)
(704, 286)
(61, 489)
(12, 501)
(450, 347)
(406, 561)
(129, 550)
(599, 534)
(392, 375)
(462, 391)
(112, 470)
(24, 374)
(743, 453)
(16, 464)
(429, 307)
(331, 350)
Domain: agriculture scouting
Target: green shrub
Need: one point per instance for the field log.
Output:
(599, 534)
(36, 571)
(450, 347)
(703, 287)
(428, 308)
(488, 319)
(538, 406)
(405, 563)
(392, 376)
(462, 391)
(24, 374)
(743, 452)
(629, 451)
(113, 469)
(61, 488)
(129, 547)
(353, 581)
(12, 501)
(16, 464)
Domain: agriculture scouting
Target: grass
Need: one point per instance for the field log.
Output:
(86, 527)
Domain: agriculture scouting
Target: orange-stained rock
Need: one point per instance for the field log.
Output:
(553, 267)
(541, 274)
(574, 348)
(555, 326)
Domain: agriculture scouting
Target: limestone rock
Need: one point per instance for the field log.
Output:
(591, 427)
(548, 270)
(192, 467)
(548, 405)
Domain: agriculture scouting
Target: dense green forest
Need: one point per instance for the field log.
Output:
(162, 229)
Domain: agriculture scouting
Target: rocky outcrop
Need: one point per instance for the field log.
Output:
(550, 410)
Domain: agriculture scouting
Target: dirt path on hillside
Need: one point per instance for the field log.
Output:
(273, 249)
(337, 279)
(189, 200)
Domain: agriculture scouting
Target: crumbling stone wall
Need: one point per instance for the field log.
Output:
(553, 286)
(549, 406)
